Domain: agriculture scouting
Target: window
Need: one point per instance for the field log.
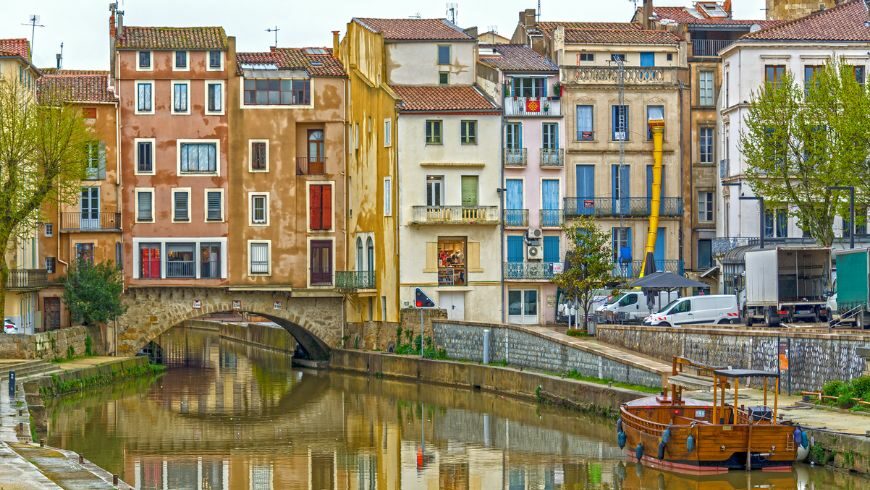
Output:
(119, 255)
(144, 205)
(180, 205)
(259, 211)
(388, 132)
(197, 158)
(586, 57)
(653, 112)
(144, 98)
(180, 262)
(514, 138)
(85, 252)
(320, 206)
(149, 261)
(705, 88)
(215, 60)
(209, 260)
(550, 134)
(180, 60)
(727, 83)
(705, 253)
(705, 206)
(321, 262)
(214, 205)
(621, 244)
(444, 54)
(775, 223)
(214, 98)
(774, 73)
(434, 190)
(259, 254)
(468, 132)
(433, 132)
(860, 74)
(316, 150)
(48, 229)
(96, 165)
(50, 265)
(144, 156)
(585, 126)
(810, 72)
(705, 137)
(388, 196)
(619, 123)
(180, 97)
(443, 78)
(277, 92)
(617, 57)
(259, 156)
(452, 264)
(528, 87)
(144, 60)
(670, 57)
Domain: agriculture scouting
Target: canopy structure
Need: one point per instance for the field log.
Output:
(666, 280)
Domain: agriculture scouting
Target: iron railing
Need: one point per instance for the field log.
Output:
(626, 206)
(458, 215)
(180, 269)
(310, 166)
(354, 280)
(515, 157)
(709, 47)
(631, 269)
(533, 106)
(101, 221)
(721, 245)
(633, 75)
(551, 218)
(26, 278)
(516, 217)
(528, 270)
(552, 157)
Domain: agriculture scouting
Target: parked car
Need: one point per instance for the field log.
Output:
(632, 306)
(9, 326)
(718, 308)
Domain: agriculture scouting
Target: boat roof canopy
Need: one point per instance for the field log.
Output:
(745, 373)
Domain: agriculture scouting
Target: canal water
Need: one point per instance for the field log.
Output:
(230, 416)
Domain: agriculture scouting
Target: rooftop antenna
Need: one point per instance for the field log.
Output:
(539, 11)
(416, 16)
(493, 29)
(452, 11)
(60, 57)
(33, 22)
(275, 30)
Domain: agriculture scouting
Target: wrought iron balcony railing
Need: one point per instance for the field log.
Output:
(709, 47)
(90, 221)
(26, 279)
(354, 280)
(631, 269)
(515, 157)
(633, 75)
(455, 215)
(516, 217)
(528, 270)
(552, 157)
(639, 207)
(551, 218)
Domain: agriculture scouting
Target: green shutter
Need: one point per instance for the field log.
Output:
(469, 190)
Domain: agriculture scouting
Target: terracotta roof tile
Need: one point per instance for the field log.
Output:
(136, 37)
(516, 57)
(77, 85)
(446, 98)
(318, 62)
(415, 29)
(845, 22)
(620, 36)
(682, 15)
(15, 47)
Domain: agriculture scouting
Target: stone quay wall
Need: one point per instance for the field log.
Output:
(50, 345)
(522, 348)
(811, 358)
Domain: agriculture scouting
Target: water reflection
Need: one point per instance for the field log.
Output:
(229, 416)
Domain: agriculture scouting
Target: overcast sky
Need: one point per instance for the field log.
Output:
(82, 25)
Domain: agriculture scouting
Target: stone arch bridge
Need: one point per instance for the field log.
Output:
(315, 323)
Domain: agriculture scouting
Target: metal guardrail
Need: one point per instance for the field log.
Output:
(26, 279)
(551, 218)
(528, 270)
(515, 157)
(180, 269)
(354, 280)
(626, 206)
(721, 245)
(709, 47)
(458, 215)
(552, 157)
(516, 217)
(533, 106)
(628, 270)
(103, 221)
(310, 166)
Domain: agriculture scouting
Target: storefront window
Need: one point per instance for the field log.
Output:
(451, 262)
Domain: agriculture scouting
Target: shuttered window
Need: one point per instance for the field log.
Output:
(259, 155)
(181, 205)
(144, 206)
(214, 206)
(259, 254)
(320, 207)
(145, 157)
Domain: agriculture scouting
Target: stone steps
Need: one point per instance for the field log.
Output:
(28, 369)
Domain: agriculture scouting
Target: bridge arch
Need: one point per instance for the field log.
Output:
(314, 322)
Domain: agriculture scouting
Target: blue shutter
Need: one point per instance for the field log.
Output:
(515, 244)
(622, 193)
(550, 200)
(514, 202)
(659, 251)
(614, 121)
(647, 59)
(551, 249)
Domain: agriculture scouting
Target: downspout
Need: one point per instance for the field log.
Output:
(501, 191)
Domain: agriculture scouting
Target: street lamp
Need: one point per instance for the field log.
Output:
(851, 190)
(761, 212)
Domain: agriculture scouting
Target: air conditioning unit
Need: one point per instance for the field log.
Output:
(534, 234)
(534, 252)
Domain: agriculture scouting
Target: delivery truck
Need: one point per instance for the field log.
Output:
(852, 287)
(786, 283)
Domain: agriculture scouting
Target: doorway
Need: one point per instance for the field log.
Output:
(453, 303)
(90, 208)
(51, 312)
(523, 306)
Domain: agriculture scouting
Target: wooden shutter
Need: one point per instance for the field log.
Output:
(326, 207)
(474, 257)
(314, 200)
(214, 206)
(431, 257)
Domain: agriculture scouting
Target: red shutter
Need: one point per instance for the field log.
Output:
(314, 200)
(326, 207)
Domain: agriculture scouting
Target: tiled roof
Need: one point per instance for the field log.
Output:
(448, 98)
(845, 22)
(415, 29)
(684, 15)
(77, 85)
(548, 27)
(516, 57)
(136, 37)
(15, 47)
(620, 36)
(318, 62)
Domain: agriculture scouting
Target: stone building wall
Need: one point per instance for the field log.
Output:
(50, 345)
(795, 9)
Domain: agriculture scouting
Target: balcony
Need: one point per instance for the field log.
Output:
(23, 279)
(709, 47)
(180, 269)
(350, 281)
(609, 75)
(630, 207)
(517, 218)
(532, 107)
(310, 166)
(528, 271)
(78, 221)
(632, 269)
(455, 215)
(515, 157)
(551, 218)
(552, 157)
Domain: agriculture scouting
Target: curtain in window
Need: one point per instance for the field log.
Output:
(198, 157)
(259, 258)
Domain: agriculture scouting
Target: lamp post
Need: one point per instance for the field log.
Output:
(761, 212)
(851, 190)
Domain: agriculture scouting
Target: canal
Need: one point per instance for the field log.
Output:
(230, 416)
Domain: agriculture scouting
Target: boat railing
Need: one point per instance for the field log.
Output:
(640, 424)
(680, 363)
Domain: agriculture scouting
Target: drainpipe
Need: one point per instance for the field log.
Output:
(683, 111)
(501, 191)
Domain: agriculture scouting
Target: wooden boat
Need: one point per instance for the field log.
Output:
(681, 434)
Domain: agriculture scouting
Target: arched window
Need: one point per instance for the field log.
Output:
(370, 253)
(359, 254)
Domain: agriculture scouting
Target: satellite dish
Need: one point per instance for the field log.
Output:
(754, 28)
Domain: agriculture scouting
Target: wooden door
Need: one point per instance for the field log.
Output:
(321, 262)
(51, 312)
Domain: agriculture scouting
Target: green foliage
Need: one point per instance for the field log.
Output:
(89, 346)
(577, 333)
(58, 386)
(588, 262)
(798, 143)
(833, 388)
(412, 347)
(848, 393)
(93, 292)
(818, 454)
(70, 352)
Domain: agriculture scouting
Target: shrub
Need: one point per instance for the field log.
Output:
(861, 386)
(833, 388)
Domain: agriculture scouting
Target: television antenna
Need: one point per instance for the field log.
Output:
(275, 30)
(452, 11)
(493, 28)
(33, 22)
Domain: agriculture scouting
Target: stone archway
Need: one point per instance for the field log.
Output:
(315, 323)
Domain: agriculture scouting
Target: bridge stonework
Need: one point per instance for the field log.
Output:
(314, 322)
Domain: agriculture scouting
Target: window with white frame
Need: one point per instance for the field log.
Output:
(705, 206)
(214, 205)
(197, 157)
(388, 196)
(388, 132)
(705, 136)
(143, 60)
(468, 132)
(180, 205)
(215, 60)
(48, 228)
(144, 97)
(259, 155)
(180, 98)
(259, 211)
(180, 60)
(144, 156)
(214, 97)
(705, 88)
(259, 255)
(145, 205)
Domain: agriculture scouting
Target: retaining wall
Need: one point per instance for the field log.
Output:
(50, 345)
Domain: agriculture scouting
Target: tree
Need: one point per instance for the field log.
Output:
(92, 293)
(43, 157)
(588, 263)
(799, 142)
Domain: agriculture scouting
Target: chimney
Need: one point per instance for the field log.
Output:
(647, 13)
(112, 8)
(471, 31)
(727, 8)
(528, 17)
(335, 43)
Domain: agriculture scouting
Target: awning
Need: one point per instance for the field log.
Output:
(666, 280)
(710, 271)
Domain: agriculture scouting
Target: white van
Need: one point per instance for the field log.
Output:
(632, 306)
(719, 309)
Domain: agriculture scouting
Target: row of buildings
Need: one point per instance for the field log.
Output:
(414, 153)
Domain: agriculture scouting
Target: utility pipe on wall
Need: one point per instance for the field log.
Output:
(657, 126)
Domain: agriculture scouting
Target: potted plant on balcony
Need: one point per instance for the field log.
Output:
(557, 90)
